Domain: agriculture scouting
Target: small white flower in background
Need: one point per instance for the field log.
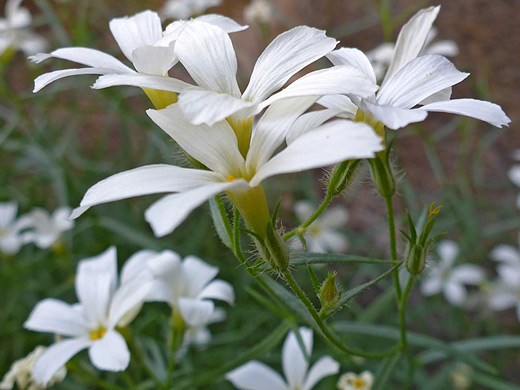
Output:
(258, 376)
(200, 336)
(411, 80)
(14, 30)
(461, 376)
(11, 238)
(322, 235)
(450, 279)
(381, 56)
(352, 381)
(21, 373)
(46, 229)
(514, 174)
(505, 292)
(187, 285)
(259, 11)
(92, 322)
(185, 9)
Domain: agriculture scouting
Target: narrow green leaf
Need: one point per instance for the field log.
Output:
(328, 258)
(221, 221)
(314, 279)
(268, 304)
(384, 374)
(492, 383)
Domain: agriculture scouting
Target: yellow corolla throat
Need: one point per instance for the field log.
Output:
(243, 129)
(369, 119)
(97, 334)
(252, 204)
(160, 99)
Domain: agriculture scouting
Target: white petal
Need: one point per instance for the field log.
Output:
(506, 254)
(468, 274)
(225, 23)
(431, 285)
(32, 43)
(110, 353)
(442, 95)
(324, 367)
(293, 358)
(47, 78)
(478, 109)
(136, 265)
(339, 103)
(334, 142)
(161, 83)
(448, 251)
(513, 174)
(343, 79)
(61, 220)
(355, 58)
(444, 48)
(207, 54)
(455, 293)
(310, 121)
(334, 241)
(55, 358)
(86, 56)
(197, 274)
(8, 212)
(411, 39)
(334, 217)
(502, 298)
(154, 60)
(142, 29)
(167, 213)
(96, 280)
(216, 147)
(218, 289)
(286, 55)
(256, 376)
(54, 316)
(128, 297)
(272, 129)
(509, 275)
(150, 179)
(419, 79)
(202, 106)
(195, 312)
(304, 210)
(394, 117)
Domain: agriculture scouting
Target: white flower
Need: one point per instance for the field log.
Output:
(259, 11)
(11, 238)
(46, 229)
(186, 285)
(14, 32)
(381, 56)
(21, 373)
(216, 147)
(92, 322)
(412, 80)
(450, 279)
(322, 235)
(184, 9)
(140, 38)
(352, 381)
(505, 292)
(258, 376)
(514, 174)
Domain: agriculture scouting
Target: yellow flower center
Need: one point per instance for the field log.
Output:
(231, 178)
(359, 383)
(98, 333)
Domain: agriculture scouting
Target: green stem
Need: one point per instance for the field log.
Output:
(301, 229)
(332, 338)
(402, 327)
(393, 243)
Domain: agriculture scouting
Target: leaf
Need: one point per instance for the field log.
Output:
(327, 258)
(220, 220)
(314, 279)
(267, 303)
(493, 383)
(384, 374)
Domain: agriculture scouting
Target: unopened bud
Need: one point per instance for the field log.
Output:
(382, 175)
(279, 257)
(415, 259)
(329, 295)
(341, 176)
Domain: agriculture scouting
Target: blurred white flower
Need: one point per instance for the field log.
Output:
(514, 174)
(11, 238)
(505, 291)
(258, 376)
(381, 56)
(14, 30)
(461, 376)
(352, 381)
(92, 322)
(259, 11)
(449, 278)
(21, 373)
(46, 229)
(185, 9)
(322, 235)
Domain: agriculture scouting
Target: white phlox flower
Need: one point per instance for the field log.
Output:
(514, 174)
(14, 30)
(140, 38)
(45, 228)
(505, 292)
(187, 285)
(352, 381)
(92, 322)
(449, 278)
(258, 376)
(411, 80)
(259, 11)
(322, 235)
(11, 236)
(184, 9)
(21, 373)
(382, 55)
(228, 171)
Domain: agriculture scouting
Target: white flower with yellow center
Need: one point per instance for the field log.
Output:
(92, 322)
(352, 381)
(184, 9)
(45, 228)
(258, 376)
(14, 32)
(411, 80)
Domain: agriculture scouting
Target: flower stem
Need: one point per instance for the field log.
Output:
(393, 243)
(301, 229)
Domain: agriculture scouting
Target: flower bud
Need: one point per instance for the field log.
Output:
(329, 294)
(341, 176)
(382, 175)
(415, 259)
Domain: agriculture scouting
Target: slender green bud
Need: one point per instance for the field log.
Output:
(341, 176)
(329, 294)
(415, 259)
(279, 257)
(382, 175)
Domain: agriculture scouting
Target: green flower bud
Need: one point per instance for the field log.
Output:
(382, 175)
(329, 295)
(341, 176)
(415, 259)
